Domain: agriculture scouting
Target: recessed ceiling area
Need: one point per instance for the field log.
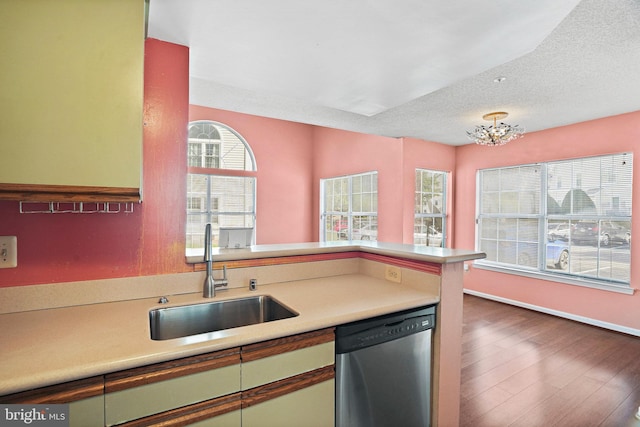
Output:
(418, 68)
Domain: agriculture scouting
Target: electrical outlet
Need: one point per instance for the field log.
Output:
(8, 251)
(393, 274)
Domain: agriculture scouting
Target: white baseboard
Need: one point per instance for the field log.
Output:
(582, 319)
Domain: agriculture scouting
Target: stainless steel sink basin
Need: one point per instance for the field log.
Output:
(186, 320)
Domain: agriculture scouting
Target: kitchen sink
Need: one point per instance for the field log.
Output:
(182, 321)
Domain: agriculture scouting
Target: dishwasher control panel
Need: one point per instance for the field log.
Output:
(366, 333)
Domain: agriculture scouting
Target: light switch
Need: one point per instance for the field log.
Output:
(8, 251)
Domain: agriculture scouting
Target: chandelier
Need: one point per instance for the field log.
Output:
(498, 134)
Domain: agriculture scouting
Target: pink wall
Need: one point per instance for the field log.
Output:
(283, 152)
(604, 136)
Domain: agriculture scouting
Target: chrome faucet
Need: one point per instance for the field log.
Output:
(210, 284)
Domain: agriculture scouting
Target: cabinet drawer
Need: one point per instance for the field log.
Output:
(304, 400)
(158, 388)
(274, 360)
(220, 412)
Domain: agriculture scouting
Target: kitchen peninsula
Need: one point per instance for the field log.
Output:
(64, 332)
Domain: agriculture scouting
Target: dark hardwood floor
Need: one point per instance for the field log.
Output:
(525, 368)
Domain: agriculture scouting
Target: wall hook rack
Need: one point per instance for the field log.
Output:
(75, 207)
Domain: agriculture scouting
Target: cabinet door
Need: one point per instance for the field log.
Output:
(220, 412)
(289, 381)
(72, 96)
(277, 359)
(304, 400)
(150, 390)
(84, 397)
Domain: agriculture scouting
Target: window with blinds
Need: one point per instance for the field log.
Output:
(569, 218)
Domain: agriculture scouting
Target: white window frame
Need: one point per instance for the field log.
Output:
(528, 228)
(204, 150)
(430, 235)
(348, 218)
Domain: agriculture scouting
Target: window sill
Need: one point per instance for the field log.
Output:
(568, 280)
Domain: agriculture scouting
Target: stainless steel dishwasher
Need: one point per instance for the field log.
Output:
(383, 370)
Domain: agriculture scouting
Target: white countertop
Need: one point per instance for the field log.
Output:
(416, 252)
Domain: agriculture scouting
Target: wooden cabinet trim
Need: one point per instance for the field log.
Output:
(67, 193)
(166, 370)
(192, 413)
(264, 349)
(285, 386)
(59, 393)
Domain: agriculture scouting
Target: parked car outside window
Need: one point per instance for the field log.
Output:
(606, 232)
(557, 254)
(341, 225)
(367, 232)
(559, 231)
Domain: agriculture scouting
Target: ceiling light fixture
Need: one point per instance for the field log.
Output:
(498, 134)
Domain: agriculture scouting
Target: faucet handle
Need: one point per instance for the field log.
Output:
(221, 282)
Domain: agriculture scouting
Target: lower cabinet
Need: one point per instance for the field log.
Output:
(84, 397)
(306, 400)
(174, 392)
(289, 381)
(283, 382)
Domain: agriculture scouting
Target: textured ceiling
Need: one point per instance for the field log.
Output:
(418, 68)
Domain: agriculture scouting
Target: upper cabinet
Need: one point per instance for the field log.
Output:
(71, 102)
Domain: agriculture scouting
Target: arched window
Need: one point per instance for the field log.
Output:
(221, 182)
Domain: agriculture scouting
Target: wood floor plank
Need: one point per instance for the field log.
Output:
(560, 410)
(471, 409)
(524, 368)
(622, 416)
(512, 409)
(595, 410)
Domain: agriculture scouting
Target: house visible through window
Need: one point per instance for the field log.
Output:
(430, 208)
(569, 218)
(221, 183)
(349, 207)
